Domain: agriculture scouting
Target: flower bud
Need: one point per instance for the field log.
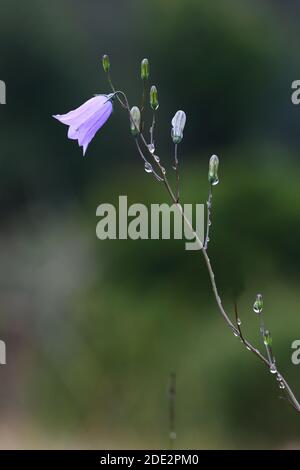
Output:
(258, 304)
(105, 63)
(153, 98)
(267, 338)
(145, 69)
(135, 121)
(213, 170)
(178, 123)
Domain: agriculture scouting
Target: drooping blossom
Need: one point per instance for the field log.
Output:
(86, 120)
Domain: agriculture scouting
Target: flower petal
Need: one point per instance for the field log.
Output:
(72, 133)
(78, 116)
(86, 120)
(101, 116)
(88, 133)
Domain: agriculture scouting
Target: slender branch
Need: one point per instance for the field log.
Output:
(208, 221)
(222, 311)
(152, 130)
(114, 90)
(218, 300)
(143, 104)
(176, 168)
(203, 248)
(147, 164)
(238, 321)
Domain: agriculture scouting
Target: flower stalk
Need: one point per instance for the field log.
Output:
(147, 153)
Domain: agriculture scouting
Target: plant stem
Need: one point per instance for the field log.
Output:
(236, 332)
(152, 129)
(203, 248)
(208, 221)
(177, 172)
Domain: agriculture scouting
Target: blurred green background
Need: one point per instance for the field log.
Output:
(94, 328)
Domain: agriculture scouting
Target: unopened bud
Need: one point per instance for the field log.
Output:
(153, 98)
(213, 170)
(135, 121)
(258, 304)
(178, 123)
(105, 63)
(145, 69)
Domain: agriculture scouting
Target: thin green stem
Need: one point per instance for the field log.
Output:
(236, 331)
(208, 221)
(152, 129)
(176, 167)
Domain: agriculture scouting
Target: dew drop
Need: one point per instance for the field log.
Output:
(156, 158)
(163, 170)
(258, 304)
(281, 385)
(249, 349)
(148, 168)
(235, 334)
(151, 148)
(273, 369)
(239, 321)
(215, 181)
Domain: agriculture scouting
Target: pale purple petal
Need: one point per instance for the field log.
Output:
(72, 133)
(92, 131)
(86, 120)
(76, 117)
(100, 117)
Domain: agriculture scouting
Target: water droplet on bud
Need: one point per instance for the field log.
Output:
(258, 304)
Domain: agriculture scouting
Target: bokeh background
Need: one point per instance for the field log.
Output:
(94, 328)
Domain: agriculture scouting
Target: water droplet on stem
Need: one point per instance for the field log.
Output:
(148, 167)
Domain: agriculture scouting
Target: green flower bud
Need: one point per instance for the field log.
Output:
(213, 170)
(145, 69)
(135, 121)
(267, 338)
(258, 304)
(153, 98)
(105, 63)
(178, 123)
